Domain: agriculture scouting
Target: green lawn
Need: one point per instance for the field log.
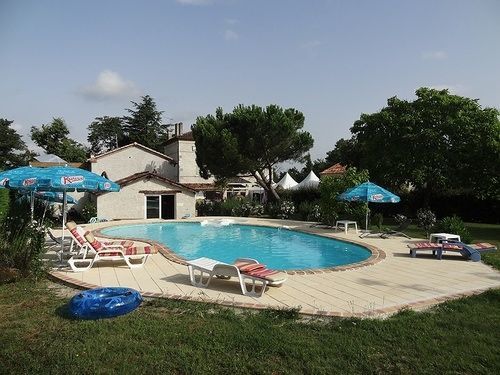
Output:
(163, 336)
(180, 337)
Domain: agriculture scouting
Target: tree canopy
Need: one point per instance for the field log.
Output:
(144, 124)
(250, 141)
(106, 133)
(438, 143)
(54, 139)
(14, 150)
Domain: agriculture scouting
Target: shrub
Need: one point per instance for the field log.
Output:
(378, 219)
(4, 203)
(89, 211)
(309, 211)
(287, 209)
(401, 219)
(331, 187)
(454, 224)
(229, 207)
(426, 219)
(22, 241)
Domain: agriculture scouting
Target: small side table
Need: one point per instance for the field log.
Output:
(345, 224)
(440, 237)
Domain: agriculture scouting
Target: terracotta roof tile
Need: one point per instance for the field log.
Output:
(334, 169)
(202, 186)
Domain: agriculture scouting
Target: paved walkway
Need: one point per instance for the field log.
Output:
(382, 288)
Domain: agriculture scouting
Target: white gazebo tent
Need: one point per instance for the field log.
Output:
(310, 182)
(287, 182)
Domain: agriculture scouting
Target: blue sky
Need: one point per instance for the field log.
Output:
(332, 60)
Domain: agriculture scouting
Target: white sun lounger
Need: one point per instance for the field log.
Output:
(206, 267)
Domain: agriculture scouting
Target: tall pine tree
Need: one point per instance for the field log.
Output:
(144, 124)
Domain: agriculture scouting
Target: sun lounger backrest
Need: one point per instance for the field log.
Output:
(94, 243)
(76, 232)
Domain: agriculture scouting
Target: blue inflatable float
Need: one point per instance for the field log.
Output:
(104, 303)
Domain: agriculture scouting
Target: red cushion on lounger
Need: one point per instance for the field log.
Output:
(75, 234)
(134, 250)
(482, 245)
(251, 267)
(262, 272)
(425, 245)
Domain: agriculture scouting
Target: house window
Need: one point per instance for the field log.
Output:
(152, 207)
(160, 206)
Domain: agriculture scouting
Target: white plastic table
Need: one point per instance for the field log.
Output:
(345, 224)
(440, 237)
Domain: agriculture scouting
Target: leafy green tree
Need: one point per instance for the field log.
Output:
(331, 187)
(438, 143)
(250, 141)
(106, 133)
(13, 149)
(54, 139)
(144, 124)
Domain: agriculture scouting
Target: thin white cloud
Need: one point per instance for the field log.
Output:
(434, 55)
(109, 85)
(231, 35)
(194, 2)
(231, 21)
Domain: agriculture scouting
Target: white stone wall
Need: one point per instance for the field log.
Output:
(172, 150)
(132, 160)
(188, 169)
(128, 203)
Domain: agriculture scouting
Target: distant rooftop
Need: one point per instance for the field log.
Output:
(333, 170)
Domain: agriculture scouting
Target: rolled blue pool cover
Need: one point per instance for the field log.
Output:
(104, 303)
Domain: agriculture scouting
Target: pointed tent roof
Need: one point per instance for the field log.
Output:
(287, 182)
(311, 181)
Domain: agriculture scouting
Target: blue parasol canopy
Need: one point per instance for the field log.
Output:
(63, 179)
(55, 197)
(369, 192)
(18, 173)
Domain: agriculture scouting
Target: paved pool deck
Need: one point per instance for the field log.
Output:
(387, 282)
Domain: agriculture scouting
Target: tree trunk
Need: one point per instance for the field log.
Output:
(266, 184)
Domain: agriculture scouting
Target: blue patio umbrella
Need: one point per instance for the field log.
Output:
(16, 173)
(56, 197)
(26, 173)
(65, 179)
(369, 192)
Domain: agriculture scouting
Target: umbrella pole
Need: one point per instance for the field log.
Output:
(367, 213)
(32, 203)
(63, 223)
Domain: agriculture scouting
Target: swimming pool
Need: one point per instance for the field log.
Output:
(276, 247)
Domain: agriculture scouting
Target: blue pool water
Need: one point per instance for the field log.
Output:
(276, 247)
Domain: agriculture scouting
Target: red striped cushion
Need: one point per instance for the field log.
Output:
(96, 245)
(426, 245)
(121, 243)
(134, 250)
(251, 267)
(262, 273)
(77, 236)
(482, 245)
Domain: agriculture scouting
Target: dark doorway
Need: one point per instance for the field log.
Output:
(167, 207)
